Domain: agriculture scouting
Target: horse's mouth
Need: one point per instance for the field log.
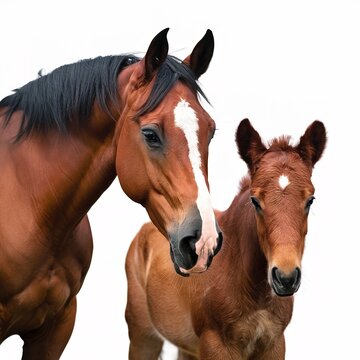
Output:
(192, 250)
(194, 270)
(178, 269)
(201, 265)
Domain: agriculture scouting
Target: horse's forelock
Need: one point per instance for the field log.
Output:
(168, 74)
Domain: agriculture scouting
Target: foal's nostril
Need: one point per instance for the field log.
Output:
(275, 274)
(287, 281)
(297, 277)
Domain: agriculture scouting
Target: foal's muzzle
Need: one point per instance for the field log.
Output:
(189, 251)
(285, 284)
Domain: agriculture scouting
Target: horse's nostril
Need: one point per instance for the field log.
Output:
(187, 244)
(188, 251)
(219, 243)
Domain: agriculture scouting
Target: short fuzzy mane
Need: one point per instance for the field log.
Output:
(281, 143)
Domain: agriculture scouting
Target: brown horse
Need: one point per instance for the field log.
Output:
(63, 139)
(240, 308)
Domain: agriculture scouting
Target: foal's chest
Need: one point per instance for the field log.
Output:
(255, 333)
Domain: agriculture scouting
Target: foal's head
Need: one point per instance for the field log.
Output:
(162, 149)
(281, 193)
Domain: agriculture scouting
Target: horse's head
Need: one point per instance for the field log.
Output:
(282, 193)
(162, 144)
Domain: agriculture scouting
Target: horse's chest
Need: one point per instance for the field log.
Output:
(41, 299)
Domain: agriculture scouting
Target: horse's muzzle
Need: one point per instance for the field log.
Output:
(190, 252)
(285, 284)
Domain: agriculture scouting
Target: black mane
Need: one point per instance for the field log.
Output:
(68, 93)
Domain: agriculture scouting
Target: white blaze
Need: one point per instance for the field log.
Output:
(186, 120)
(283, 181)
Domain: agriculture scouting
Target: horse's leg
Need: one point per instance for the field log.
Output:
(49, 341)
(184, 356)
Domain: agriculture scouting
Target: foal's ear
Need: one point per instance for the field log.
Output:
(199, 60)
(156, 54)
(312, 143)
(249, 144)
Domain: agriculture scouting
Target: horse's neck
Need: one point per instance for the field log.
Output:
(244, 257)
(55, 178)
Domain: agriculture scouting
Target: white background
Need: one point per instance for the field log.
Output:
(282, 64)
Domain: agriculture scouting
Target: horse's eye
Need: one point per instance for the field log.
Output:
(255, 201)
(309, 202)
(151, 137)
(129, 61)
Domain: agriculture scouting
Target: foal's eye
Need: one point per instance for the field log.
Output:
(309, 202)
(151, 137)
(255, 201)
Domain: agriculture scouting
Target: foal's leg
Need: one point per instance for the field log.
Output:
(50, 340)
(277, 352)
(145, 348)
(145, 344)
(213, 348)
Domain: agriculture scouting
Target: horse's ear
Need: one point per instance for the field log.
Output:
(156, 54)
(312, 143)
(200, 58)
(249, 144)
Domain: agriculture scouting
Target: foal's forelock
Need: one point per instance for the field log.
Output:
(187, 121)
